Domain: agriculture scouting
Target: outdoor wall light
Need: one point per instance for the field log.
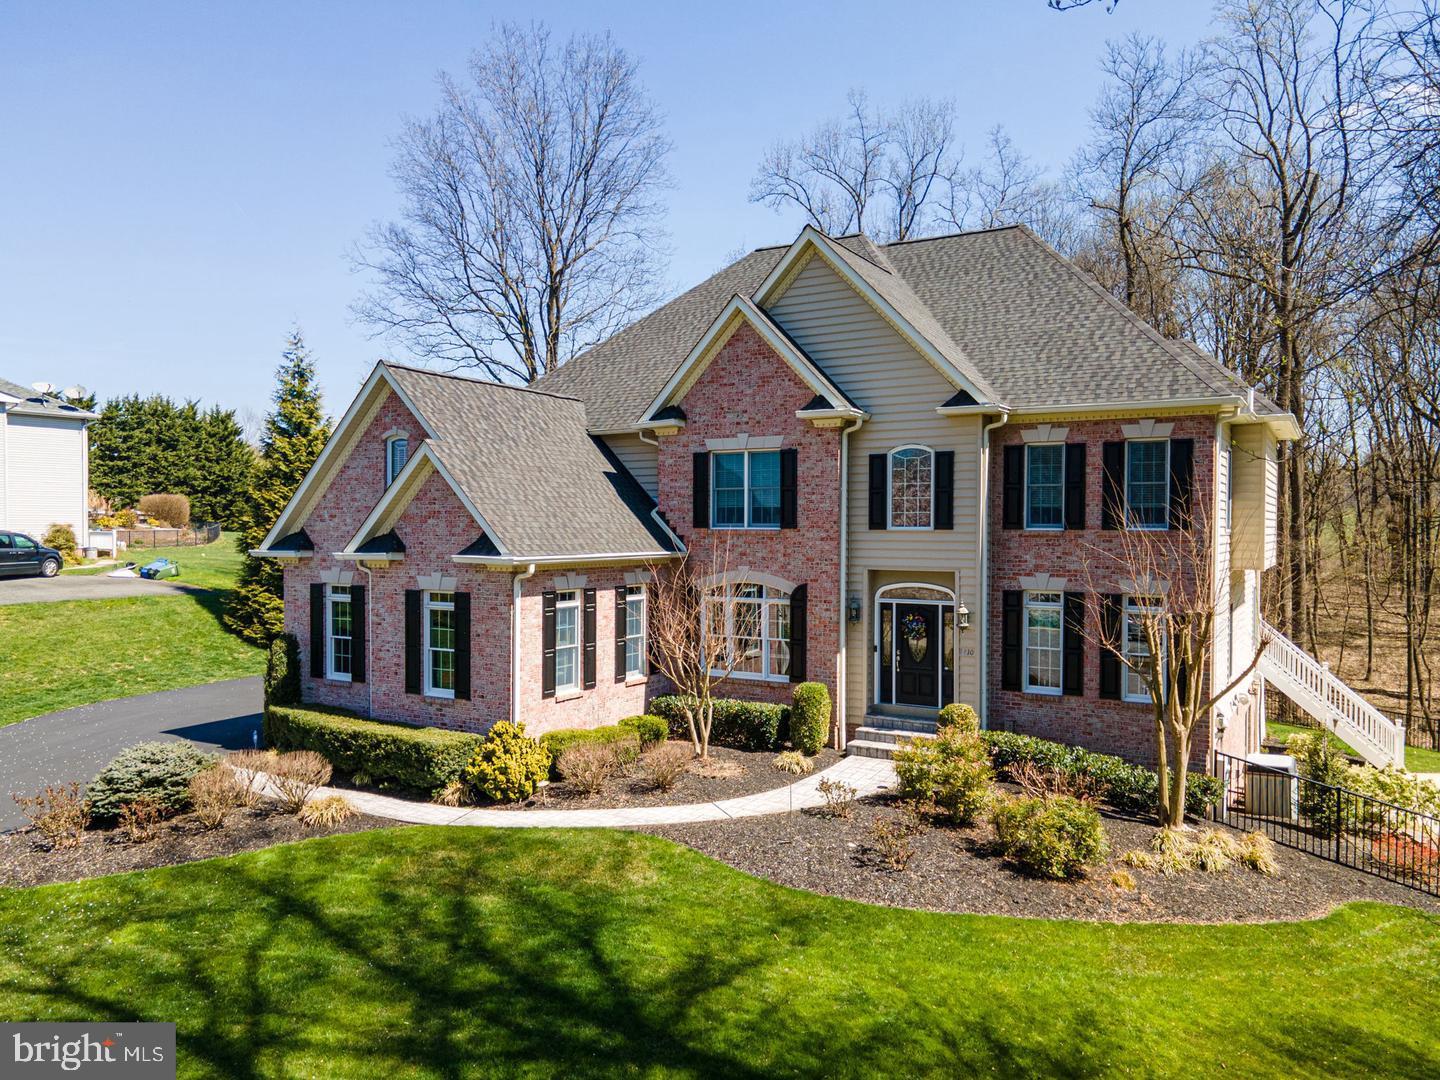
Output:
(962, 616)
(854, 609)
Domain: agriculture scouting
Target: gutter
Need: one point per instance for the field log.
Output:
(529, 571)
(513, 562)
(984, 645)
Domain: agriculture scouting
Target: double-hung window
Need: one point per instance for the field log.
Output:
(1045, 486)
(567, 640)
(754, 623)
(1136, 644)
(1147, 483)
(440, 644)
(339, 633)
(1043, 644)
(634, 630)
(912, 487)
(745, 489)
(397, 452)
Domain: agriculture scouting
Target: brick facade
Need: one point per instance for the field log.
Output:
(748, 389)
(1109, 726)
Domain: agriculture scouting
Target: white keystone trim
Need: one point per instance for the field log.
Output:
(1147, 429)
(638, 577)
(1045, 433)
(746, 442)
(566, 582)
(1043, 583)
(1147, 586)
(338, 577)
(436, 582)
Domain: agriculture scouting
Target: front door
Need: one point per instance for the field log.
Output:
(917, 654)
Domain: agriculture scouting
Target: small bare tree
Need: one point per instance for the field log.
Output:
(688, 645)
(1175, 601)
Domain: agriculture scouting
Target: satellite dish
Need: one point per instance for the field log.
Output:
(71, 393)
(43, 387)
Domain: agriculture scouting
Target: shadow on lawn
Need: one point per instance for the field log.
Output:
(438, 967)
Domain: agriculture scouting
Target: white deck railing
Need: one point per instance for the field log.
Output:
(1322, 694)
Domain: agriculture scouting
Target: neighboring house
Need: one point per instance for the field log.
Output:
(890, 445)
(44, 463)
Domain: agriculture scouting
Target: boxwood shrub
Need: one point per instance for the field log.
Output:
(810, 717)
(1050, 837)
(562, 739)
(422, 759)
(740, 725)
(651, 729)
(1131, 788)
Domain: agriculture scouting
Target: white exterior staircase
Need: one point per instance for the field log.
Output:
(1315, 688)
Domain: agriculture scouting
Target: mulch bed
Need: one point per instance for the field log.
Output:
(178, 840)
(955, 869)
(731, 774)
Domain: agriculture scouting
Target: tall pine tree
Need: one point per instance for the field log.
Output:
(295, 433)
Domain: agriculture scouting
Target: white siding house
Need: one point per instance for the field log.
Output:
(44, 463)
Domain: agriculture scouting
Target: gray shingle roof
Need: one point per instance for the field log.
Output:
(34, 403)
(1019, 321)
(525, 460)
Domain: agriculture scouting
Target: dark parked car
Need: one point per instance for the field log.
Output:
(22, 555)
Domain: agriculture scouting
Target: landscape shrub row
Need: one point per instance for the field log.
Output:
(740, 725)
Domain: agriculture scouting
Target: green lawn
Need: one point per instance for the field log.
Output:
(210, 566)
(458, 952)
(76, 652)
(1416, 758)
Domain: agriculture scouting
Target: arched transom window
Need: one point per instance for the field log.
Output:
(912, 487)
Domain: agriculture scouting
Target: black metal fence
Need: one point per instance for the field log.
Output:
(1334, 823)
(1420, 732)
(191, 536)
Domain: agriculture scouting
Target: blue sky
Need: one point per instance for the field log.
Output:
(179, 183)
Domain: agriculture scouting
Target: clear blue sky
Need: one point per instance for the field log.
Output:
(179, 183)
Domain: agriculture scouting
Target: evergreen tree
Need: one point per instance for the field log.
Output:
(295, 433)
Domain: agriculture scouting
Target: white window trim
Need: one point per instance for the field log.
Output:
(1060, 525)
(570, 598)
(745, 491)
(1129, 602)
(890, 490)
(727, 594)
(1130, 523)
(631, 591)
(390, 471)
(1059, 608)
(331, 599)
(431, 604)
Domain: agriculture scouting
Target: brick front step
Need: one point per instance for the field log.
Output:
(878, 741)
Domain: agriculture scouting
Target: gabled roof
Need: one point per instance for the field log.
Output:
(28, 402)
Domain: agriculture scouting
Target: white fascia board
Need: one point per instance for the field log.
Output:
(340, 437)
(265, 553)
(831, 414)
(745, 308)
(972, 410)
(355, 556)
(501, 562)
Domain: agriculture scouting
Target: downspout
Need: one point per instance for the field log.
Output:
(529, 571)
(841, 673)
(1223, 425)
(369, 637)
(984, 644)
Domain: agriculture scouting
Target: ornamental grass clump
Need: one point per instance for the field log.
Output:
(327, 812)
(158, 771)
(793, 762)
(508, 765)
(1057, 837)
(1173, 851)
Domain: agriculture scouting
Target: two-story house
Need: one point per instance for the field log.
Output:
(902, 454)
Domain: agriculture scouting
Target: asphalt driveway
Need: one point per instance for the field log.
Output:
(33, 590)
(76, 743)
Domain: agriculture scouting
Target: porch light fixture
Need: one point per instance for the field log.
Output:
(962, 616)
(854, 609)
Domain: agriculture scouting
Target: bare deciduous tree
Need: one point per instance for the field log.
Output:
(530, 228)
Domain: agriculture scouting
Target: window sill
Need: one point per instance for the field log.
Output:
(636, 680)
(1045, 528)
(440, 695)
(1044, 691)
(751, 676)
(745, 528)
(568, 695)
(1131, 699)
(911, 528)
(339, 678)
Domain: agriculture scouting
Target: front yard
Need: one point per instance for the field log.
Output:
(434, 952)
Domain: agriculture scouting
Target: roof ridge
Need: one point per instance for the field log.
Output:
(481, 382)
(952, 235)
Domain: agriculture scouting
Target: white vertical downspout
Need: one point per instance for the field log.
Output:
(842, 674)
(984, 634)
(369, 637)
(529, 571)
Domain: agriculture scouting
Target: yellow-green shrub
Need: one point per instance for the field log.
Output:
(508, 765)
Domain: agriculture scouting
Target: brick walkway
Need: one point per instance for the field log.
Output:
(866, 775)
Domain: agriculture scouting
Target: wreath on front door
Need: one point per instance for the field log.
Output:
(916, 632)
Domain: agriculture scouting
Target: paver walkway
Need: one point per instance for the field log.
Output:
(866, 775)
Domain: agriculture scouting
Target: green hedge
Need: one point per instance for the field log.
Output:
(810, 717)
(651, 729)
(422, 759)
(562, 739)
(740, 725)
(1131, 788)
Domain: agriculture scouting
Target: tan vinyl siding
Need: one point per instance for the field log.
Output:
(1221, 529)
(1257, 494)
(868, 359)
(641, 458)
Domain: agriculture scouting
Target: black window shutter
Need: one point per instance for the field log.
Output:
(547, 644)
(1109, 634)
(620, 633)
(789, 488)
(1112, 491)
(1013, 489)
(700, 490)
(462, 646)
(1182, 481)
(589, 649)
(1075, 485)
(879, 489)
(357, 633)
(317, 631)
(945, 489)
(1011, 638)
(414, 600)
(799, 632)
(1072, 672)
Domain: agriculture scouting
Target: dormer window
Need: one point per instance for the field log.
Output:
(912, 487)
(397, 452)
